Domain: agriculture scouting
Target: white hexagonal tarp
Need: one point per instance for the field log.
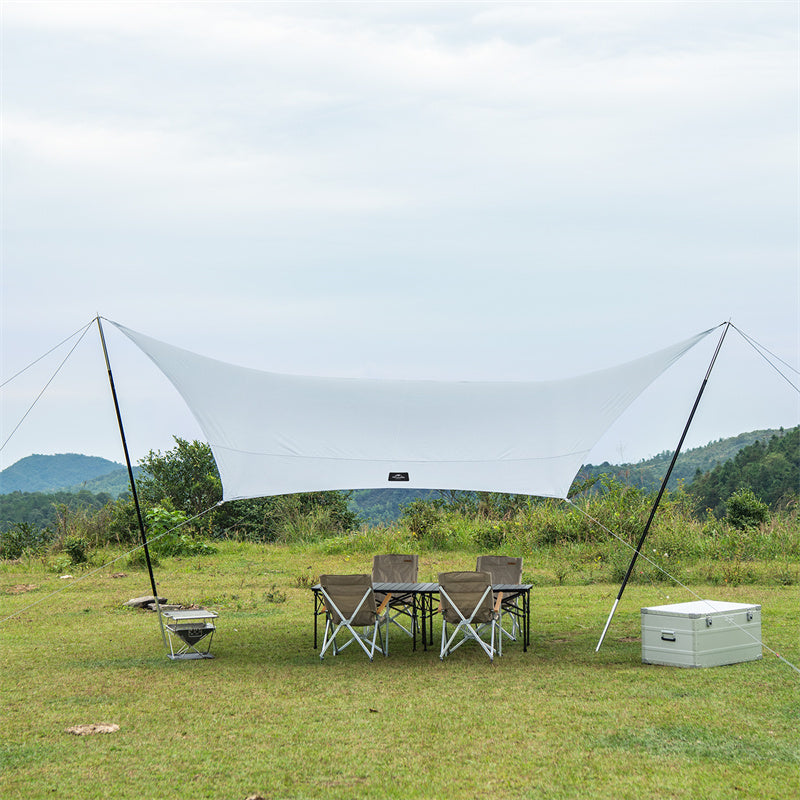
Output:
(278, 434)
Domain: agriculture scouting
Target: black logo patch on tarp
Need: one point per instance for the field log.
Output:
(398, 476)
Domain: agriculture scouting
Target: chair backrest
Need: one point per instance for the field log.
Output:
(347, 591)
(465, 590)
(503, 569)
(395, 568)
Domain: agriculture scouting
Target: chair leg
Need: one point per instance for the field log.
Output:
(385, 624)
(329, 640)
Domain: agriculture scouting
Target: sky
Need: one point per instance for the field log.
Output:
(454, 191)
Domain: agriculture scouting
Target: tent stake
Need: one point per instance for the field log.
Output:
(128, 462)
(663, 487)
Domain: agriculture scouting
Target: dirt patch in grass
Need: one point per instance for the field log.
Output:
(21, 588)
(93, 727)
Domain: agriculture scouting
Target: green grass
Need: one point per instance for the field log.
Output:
(266, 716)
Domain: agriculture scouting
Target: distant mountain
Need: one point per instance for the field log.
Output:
(73, 473)
(115, 483)
(65, 472)
(385, 505)
(377, 506)
(650, 473)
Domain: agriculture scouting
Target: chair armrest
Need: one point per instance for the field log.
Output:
(498, 602)
(385, 603)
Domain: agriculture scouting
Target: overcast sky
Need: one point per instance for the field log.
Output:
(436, 190)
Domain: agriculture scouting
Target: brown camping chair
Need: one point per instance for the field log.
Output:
(505, 570)
(394, 568)
(467, 603)
(349, 604)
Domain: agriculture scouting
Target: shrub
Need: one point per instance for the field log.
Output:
(23, 537)
(123, 525)
(138, 560)
(75, 547)
(745, 510)
(302, 517)
(167, 539)
(422, 516)
(453, 531)
(490, 537)
(306, 526)
(377, 539)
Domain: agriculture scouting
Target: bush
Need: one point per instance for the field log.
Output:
(421, 516)
(23, 537)
(138, 560)
(452, 531)
(123, 524)
(745, 510)
(370, 540)
(164, 526)
(490, 537)
(303, 517)
(75, 547)
(306, 526)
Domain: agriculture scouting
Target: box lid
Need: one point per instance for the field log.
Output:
(699, 608)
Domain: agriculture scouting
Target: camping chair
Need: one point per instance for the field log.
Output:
(349, 603)
(467, 602)
(508, 570)
(398, 569)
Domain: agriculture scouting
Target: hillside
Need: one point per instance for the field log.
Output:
(79, 473)
(67, 472)
(770, 468)
(385, 505)
(114, 483)
(650, 473)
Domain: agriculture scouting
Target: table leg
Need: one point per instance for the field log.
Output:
(414, 620)
(316, 614)
(526, 613)
(424, 623)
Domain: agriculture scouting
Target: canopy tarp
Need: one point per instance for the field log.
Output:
(275, 434)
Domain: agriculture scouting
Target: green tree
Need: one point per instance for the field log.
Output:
(186, 476)
(771, 471)
(187, 480)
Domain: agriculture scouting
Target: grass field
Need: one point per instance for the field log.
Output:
(267, 717)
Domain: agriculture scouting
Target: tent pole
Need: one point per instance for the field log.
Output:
(128, 462)
(663, 487)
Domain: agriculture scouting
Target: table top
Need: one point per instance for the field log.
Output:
(185, 614)
(432, 588)
(389, 586)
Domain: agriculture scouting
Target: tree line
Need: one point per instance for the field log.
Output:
(771, 470)
(184, 481)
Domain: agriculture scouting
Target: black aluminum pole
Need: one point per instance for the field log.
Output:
(663, 487)
(128, 462)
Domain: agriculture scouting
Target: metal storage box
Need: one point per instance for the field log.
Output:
(703, 633)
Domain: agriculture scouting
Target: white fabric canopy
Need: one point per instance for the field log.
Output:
(278, 434)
